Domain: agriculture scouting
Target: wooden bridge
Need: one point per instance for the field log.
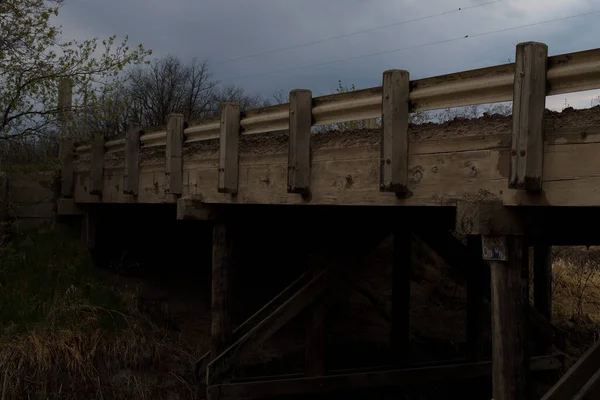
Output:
(507, 183)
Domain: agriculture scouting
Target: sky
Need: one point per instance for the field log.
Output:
(225, 32)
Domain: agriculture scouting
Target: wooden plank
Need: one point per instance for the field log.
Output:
(577, 376)
(65, 100)
(529, 101)
(268, 326)
(542, 289)
(228, 148)
(131, 178)
(510, 370)
(299, 141)
(174, 155)
(222, 265)
(401, 278)
(476, 305)
(97, 166)
(394, 133)
(349, 174)
(487, 218)
(279, 388)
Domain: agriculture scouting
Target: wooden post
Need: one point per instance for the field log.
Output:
(97, 165)
(394, 133)
(222, 257)
(401, 276)
(314, 358)
(509, 274)
(529, 99)
(228, 148)
(475, 300)
(174, 155)
(542, 289)
(65, 100)
(131, 180)
(299, 141)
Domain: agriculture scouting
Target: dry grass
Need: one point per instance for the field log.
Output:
(65, 334)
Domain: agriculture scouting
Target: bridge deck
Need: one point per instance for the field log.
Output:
(463, 159)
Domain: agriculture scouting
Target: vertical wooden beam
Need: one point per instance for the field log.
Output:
(97, 165)
(299, 141)
(228, 148)
(475, 299)
(394, 132)
(509, 275)
(314, 357)
(88, 227)
(222, 257)
(174, 155)
(401, 276)
(529, 99)
(65, 100)
(131, 181)
(542, 289)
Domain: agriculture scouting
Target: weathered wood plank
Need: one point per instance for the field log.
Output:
(278, 388)
(510, 301)
(577, 376)
(401, 278)
(529, 100)
(174, 155)
(65, 100)
(228, 148)
(487, 218)
(222, 266)
(394, 133)
(131, 178)
(299, 141)
(97, 165)
(542, 288)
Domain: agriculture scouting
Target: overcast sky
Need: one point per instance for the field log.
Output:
(219, 30)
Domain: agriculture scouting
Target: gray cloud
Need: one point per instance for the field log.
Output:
(217, 30)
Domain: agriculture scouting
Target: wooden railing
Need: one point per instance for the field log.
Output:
(517, 81)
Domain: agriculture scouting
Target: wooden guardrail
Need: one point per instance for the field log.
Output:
(526, 82)
(567, 73)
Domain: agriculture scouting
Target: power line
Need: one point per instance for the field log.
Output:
(355, 33)
(417, 46)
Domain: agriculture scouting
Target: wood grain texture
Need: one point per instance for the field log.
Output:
(442, 171)
(229, 148)
(394, 133)
(131, 178)
(97, 166)
(221, 328)
(174, 152)
(510, 302)
(529, 100)
(299, 141)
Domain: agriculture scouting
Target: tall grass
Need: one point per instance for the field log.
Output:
(66, 334)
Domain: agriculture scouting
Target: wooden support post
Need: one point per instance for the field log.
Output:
(401, 276)
(65, 99)
(299, 141)
(394, 133)
(542, 289)
(529, 99)
(131, 181)
(88, 227)
(476, 285)
(509, 271)
(174, 155)
(314, 358)
(229, 148)
(222, 264)
(97, 165)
